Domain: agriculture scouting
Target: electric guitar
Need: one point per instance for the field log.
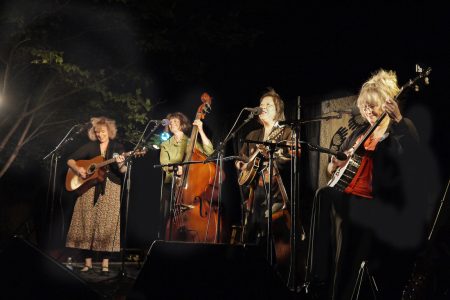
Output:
(343, 176)
(95, 172)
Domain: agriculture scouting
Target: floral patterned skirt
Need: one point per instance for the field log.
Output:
(96, 226)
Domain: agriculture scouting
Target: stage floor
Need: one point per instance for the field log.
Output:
(117, 284)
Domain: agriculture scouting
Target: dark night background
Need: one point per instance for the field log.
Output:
(314, 51)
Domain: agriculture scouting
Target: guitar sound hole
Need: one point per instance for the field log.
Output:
(91, 169)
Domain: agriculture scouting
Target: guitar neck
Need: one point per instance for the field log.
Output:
(370, 131)
(410, 83)
(111, 160)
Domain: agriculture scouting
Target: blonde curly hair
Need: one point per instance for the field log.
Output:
(102, 121)
(380, 87)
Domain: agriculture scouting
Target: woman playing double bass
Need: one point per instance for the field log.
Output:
(174, 150)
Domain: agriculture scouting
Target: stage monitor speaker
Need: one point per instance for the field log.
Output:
(178, 270)
(29, 273)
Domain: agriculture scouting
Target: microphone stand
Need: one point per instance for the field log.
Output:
(296, 125)
(272, 148)
(51, 192)
(295, 198)
(127, 182)
(220, 157)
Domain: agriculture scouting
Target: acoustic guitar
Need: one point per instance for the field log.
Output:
(254, 165)
(95, 172)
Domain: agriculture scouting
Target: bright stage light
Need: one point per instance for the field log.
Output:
(165, 136)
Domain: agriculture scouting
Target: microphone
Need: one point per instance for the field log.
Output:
(341, 155)
(255, 110)
(354, 111)
(82, 127)
(163, 122)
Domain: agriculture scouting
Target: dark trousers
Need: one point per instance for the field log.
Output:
(339, 245)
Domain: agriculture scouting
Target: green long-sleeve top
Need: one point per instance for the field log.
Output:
(173, 152)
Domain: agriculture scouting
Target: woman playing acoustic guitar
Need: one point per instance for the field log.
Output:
(254, 174)
(95, 224)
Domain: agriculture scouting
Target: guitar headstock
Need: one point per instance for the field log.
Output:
(421, 78)
(205, 107)
(140, 152)
(137, 153)
(423, 75)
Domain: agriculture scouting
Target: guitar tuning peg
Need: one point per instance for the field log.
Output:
(416, 88)
(427, 80)
(418, 69)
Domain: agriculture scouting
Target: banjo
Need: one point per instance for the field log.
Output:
(344, 175)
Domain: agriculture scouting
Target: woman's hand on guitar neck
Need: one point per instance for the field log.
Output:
(120, 160)
(391, 108)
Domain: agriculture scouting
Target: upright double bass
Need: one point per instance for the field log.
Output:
(194, 217)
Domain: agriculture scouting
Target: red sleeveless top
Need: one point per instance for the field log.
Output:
(361, 185)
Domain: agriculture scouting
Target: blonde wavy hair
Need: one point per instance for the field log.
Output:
(380, 87)
(102, 121)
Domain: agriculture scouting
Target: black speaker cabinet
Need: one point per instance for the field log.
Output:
(178, 270)
(29, 273)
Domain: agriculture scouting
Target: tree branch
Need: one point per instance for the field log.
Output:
(17, 148)
(15, 126)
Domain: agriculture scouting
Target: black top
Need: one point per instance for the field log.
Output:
(390, 155)
(91, 150)
(399, 211)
